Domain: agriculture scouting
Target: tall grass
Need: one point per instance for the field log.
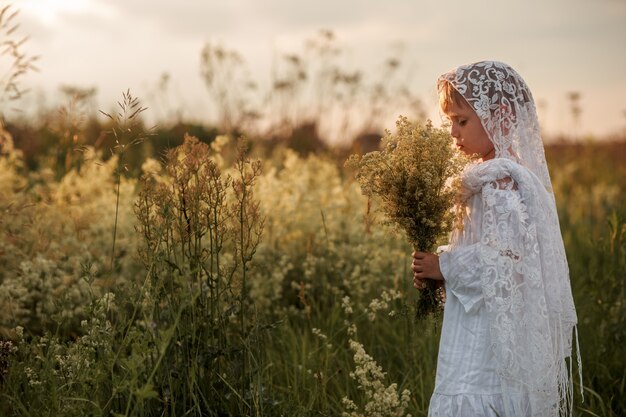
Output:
(241, 292)
(590, 183)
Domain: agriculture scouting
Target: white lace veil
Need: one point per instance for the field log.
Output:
(507, 111)
(528, 296)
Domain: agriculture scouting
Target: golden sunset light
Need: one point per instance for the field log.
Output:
(284, 208)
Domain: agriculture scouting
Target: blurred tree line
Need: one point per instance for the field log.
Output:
(315, 103)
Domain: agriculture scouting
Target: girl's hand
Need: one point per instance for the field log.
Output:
(425, 266)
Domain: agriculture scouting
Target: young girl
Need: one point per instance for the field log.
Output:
(509, 316)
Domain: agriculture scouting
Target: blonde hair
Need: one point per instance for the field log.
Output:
(448, 95)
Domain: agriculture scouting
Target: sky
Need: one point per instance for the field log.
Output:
(558, 46)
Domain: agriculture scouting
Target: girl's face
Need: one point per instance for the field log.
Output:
(468, 132)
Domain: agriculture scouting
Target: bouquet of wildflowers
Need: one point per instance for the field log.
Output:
(413, 178)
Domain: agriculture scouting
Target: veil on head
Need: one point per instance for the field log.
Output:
(505, 106)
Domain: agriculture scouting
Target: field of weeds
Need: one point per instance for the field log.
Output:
(217, 283)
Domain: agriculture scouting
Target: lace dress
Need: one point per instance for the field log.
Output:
(467, 383)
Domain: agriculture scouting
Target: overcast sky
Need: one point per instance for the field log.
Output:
(558, 46)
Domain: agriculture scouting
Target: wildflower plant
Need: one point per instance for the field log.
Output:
(413, 178)
(201, 227)
(382, 400)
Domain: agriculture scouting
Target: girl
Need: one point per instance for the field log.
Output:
(509, 316)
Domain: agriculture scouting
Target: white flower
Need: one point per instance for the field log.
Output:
(345, 304)
(317, 332)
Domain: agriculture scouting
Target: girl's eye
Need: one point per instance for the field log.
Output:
(462, 122)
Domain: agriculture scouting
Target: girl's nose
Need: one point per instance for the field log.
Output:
(454, 130)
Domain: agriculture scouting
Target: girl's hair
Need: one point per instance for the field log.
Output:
(448, 95)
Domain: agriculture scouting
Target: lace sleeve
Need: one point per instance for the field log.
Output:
(458, 268)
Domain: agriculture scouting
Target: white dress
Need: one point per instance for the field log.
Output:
(466, 383)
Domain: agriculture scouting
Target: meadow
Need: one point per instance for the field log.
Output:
(188, 271)
(233, 279)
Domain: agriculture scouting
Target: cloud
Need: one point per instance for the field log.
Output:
(182, 18)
